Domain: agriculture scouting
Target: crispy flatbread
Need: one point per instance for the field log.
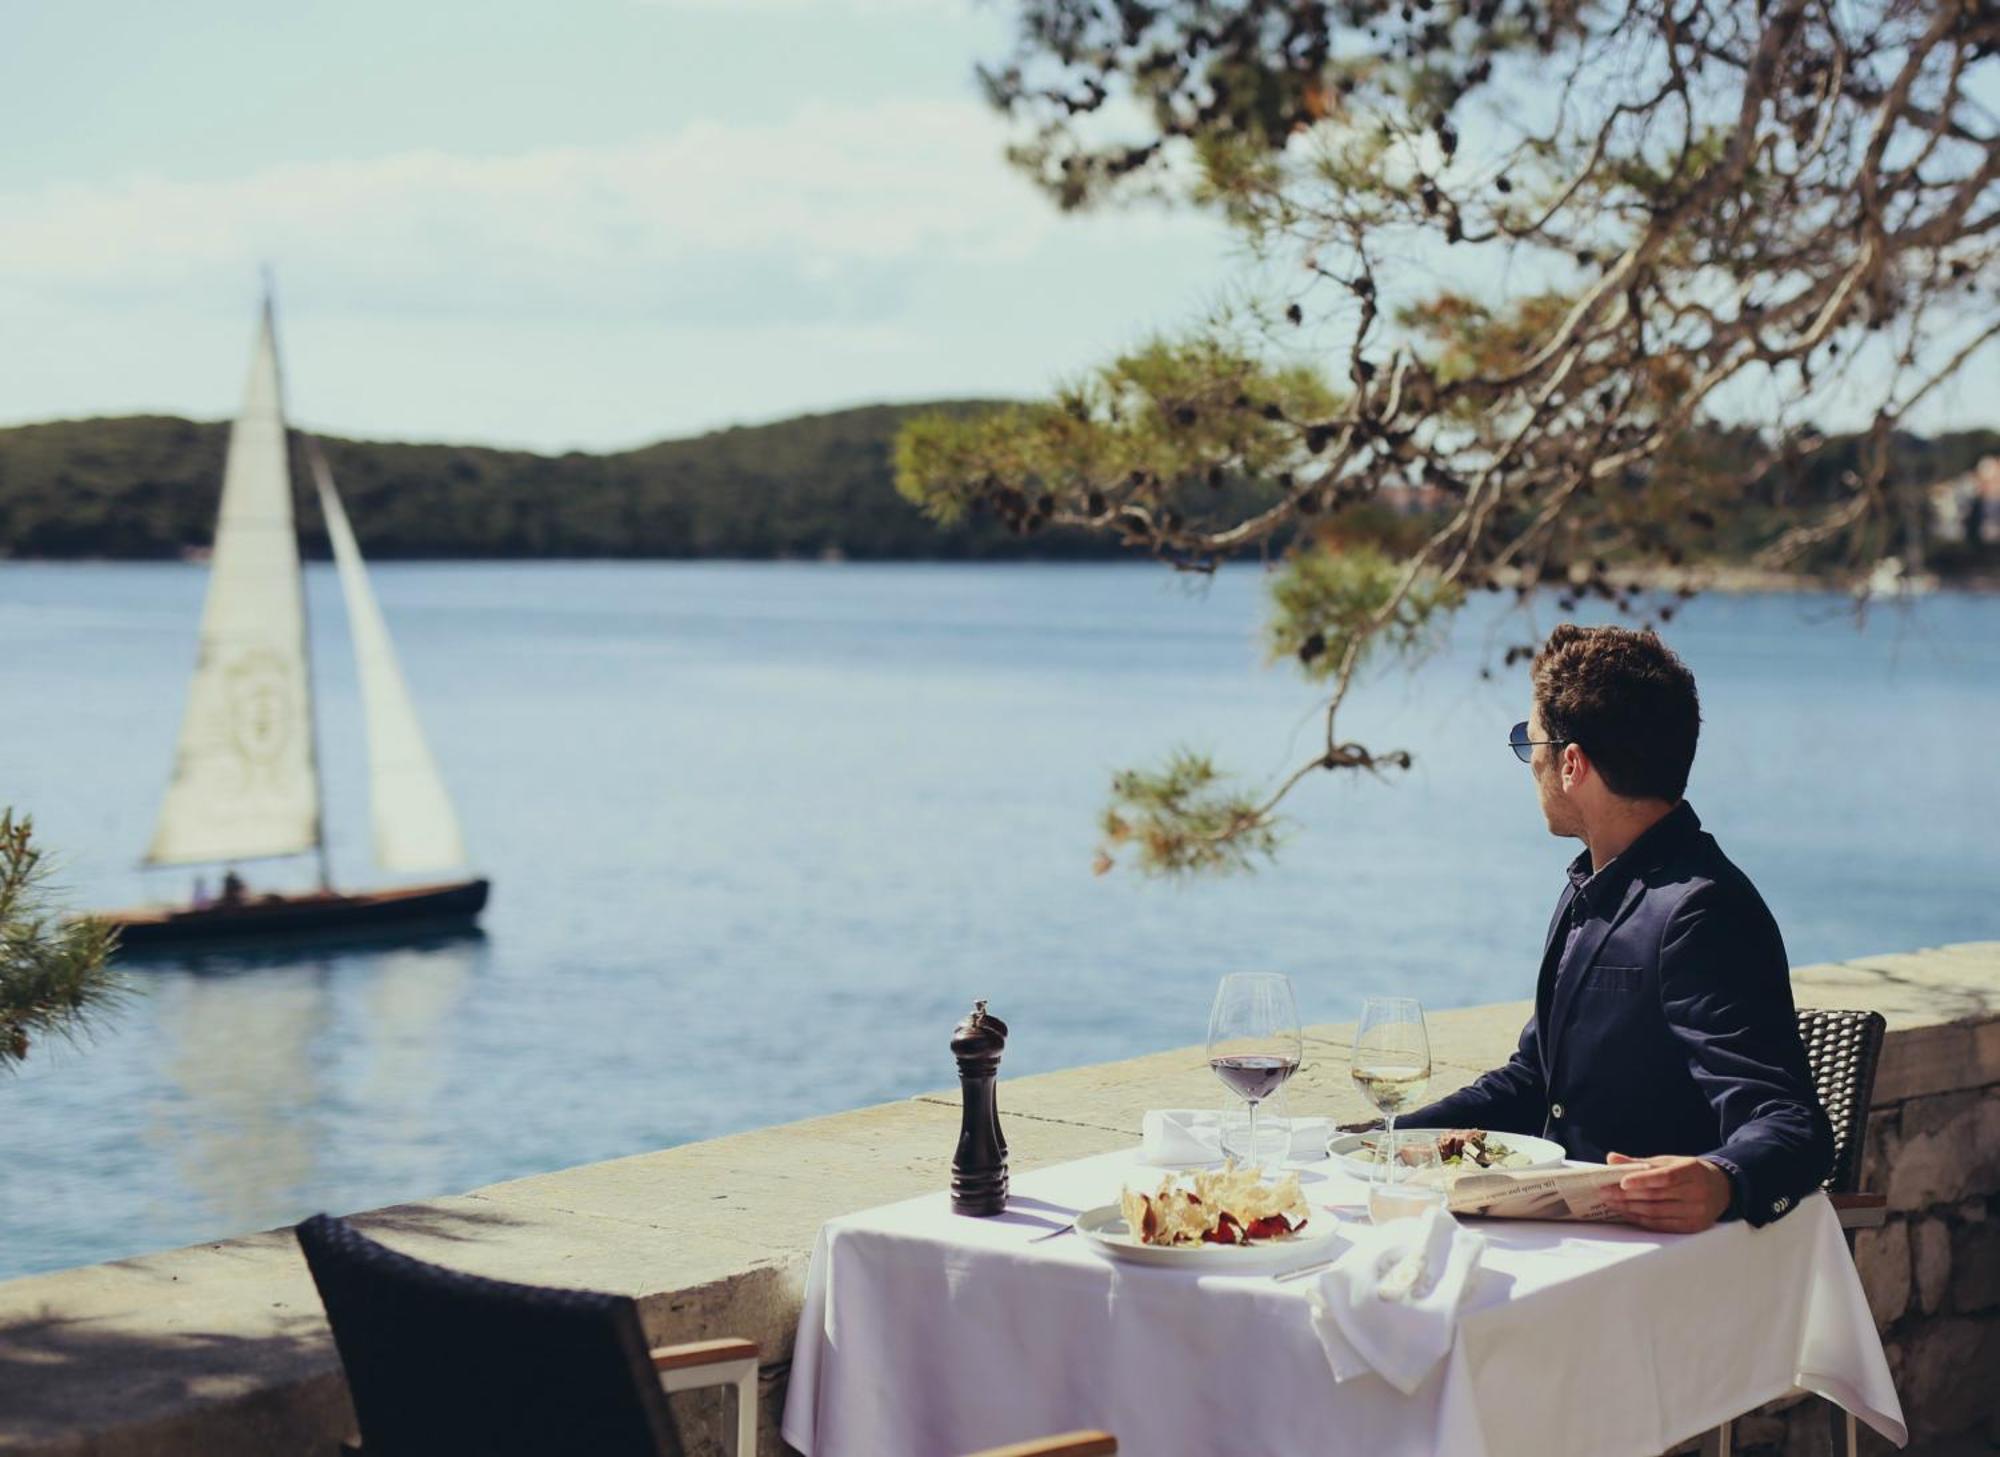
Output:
(1209, 1206)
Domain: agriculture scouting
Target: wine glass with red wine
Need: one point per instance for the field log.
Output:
(1254, 1043)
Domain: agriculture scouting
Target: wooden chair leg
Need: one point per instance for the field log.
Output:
(1843, 1432)
(717, 1363)
(1717, 1440)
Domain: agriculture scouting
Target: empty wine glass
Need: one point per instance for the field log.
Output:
(1254, 1041)
(1391, 1064)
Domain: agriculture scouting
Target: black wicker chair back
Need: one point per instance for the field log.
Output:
(444, 1364)
(1842, 1048)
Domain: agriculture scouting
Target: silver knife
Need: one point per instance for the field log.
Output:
(1299, 1272)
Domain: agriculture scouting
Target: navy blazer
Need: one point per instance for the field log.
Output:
(1663, 1024)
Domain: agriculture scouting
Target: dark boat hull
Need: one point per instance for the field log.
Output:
(315, 915)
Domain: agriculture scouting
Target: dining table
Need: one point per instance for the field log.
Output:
(926, 1333)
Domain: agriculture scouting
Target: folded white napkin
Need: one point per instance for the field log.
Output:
(1390, 1304)
(1194, 1135)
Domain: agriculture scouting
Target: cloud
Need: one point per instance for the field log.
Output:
(590, 295)
(821, 215)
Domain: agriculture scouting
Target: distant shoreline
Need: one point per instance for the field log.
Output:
(1742, 581)
(1724, 581)
(818, 487)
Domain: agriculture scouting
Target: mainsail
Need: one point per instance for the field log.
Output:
(245, 783)
(415, 828)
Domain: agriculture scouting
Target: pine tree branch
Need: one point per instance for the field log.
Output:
(55, 976)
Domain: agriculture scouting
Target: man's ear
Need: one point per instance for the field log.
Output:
(1575, 766)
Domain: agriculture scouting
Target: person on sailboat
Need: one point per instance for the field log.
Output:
(232, 888)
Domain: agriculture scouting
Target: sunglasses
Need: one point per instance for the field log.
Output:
(1523, 746)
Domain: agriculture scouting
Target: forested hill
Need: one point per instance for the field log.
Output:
(818, 485)
(146, 486)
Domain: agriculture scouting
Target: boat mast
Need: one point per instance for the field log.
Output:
(305, 613)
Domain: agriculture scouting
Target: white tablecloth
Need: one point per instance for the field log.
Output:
(927, 1333)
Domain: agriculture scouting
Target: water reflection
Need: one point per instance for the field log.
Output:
(408, 1006)
(265, 1054)
(240, 1055)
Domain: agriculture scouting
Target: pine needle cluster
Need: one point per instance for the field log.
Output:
(54, 972)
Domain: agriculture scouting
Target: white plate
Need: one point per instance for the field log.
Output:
(1104, 1230)
(1342, 1148)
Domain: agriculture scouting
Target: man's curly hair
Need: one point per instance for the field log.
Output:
(1626, 701)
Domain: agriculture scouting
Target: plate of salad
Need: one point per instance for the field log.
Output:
(1458, 1148)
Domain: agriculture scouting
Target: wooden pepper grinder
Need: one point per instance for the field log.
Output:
(979, 1168)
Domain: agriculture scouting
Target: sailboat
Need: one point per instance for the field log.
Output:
(246, 778)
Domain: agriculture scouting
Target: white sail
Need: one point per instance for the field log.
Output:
(415, 827)
(245, 783)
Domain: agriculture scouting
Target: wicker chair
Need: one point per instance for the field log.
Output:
(440, 1363)
(1842, 1049)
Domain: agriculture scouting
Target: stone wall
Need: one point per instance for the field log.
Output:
(219, 1350)
(1933, 1271)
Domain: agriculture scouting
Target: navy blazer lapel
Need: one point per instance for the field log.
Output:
(1588, 943)
(1545, 980)
(1555, 923)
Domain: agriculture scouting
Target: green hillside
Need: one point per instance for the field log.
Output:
(146, 486)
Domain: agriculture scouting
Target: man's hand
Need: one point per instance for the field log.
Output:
(1671, 1194)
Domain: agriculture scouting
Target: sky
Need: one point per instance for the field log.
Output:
(584, 225)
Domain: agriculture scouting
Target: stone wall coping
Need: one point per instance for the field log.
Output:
(220, 1348)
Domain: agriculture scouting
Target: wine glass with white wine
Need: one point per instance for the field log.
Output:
(1391, 1064)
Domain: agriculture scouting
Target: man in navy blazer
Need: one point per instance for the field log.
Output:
(1663, 1034)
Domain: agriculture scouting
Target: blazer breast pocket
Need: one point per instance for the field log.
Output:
(1616, 980)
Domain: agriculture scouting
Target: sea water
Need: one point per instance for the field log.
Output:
(759, 834)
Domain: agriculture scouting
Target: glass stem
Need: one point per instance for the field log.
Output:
(1389, 1159)
(1250, 1145)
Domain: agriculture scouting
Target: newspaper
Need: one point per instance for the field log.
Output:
(1569, 1193)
